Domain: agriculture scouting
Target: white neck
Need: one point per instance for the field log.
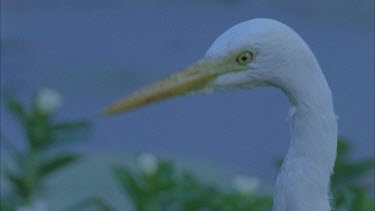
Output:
(303, 182)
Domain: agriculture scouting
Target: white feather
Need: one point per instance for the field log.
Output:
(282, 59)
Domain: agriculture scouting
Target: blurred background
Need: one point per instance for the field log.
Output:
(93, 52)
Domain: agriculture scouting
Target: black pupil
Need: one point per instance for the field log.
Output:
(244, 58)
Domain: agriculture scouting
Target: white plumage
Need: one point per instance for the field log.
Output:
(264, 52)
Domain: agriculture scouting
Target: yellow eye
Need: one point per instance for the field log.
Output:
(245, 58)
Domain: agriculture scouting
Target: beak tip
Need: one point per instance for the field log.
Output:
(106, 113)
(103, 114)
(114, 109)
(191, 79)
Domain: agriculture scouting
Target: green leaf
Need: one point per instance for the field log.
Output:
(38, 133)
(162, 180)
(43, 134)
(6, 206)
(68, 127)
(67, 132)
(347, 173)
(262, 203)
(19, 184)
(342, 197)
(343, 150)
(95, 203)
(56, 163)
(362, 202)
(130, 186)
(15, 108)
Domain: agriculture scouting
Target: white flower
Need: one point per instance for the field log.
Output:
(35, 206)
(148, 163)
(48, 100)
(245, 184)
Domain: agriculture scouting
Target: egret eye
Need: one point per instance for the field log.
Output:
(245, 58)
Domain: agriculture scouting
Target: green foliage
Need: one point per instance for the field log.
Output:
(166, 189)
(346, 171)
(92, 203)
(35, 163)
(345, 181)
(15, 108)
(155, 185)
(51, 165)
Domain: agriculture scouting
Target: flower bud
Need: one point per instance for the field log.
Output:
(245, 184)
(148, 163)
(48, 100)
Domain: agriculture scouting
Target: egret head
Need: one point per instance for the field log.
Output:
(253, 53)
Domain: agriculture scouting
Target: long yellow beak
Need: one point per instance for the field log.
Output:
(193, 78)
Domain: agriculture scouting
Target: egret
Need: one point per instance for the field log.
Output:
(265, 52)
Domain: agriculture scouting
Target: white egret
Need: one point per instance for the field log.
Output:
(264, 52)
